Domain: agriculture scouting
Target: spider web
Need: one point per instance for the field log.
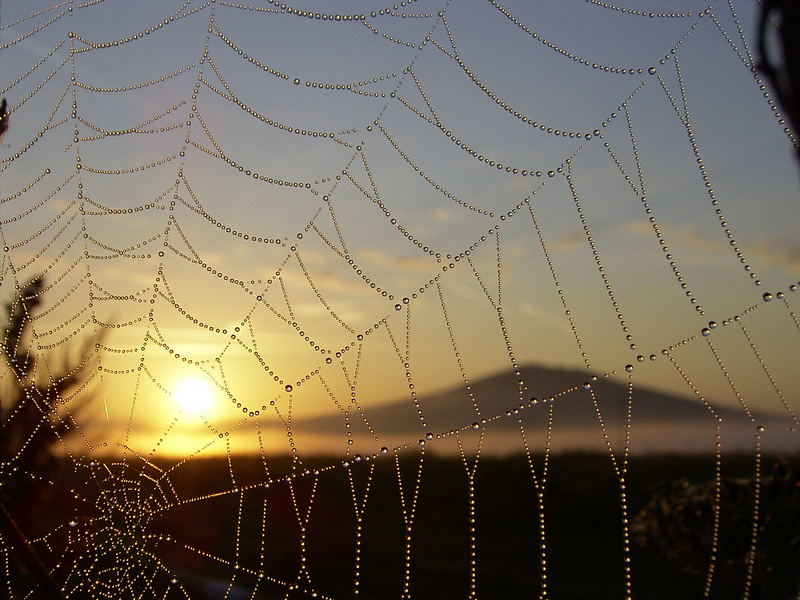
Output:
(320, 213)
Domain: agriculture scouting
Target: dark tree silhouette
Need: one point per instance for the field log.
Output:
(779, 53)
(37, 408)
(39, 404)
(677, 524)
(3, 117)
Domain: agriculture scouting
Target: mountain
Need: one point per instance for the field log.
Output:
(660, 421)
(498, 393)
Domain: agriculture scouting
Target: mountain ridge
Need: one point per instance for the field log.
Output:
(495, 394)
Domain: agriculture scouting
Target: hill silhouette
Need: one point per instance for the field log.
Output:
(661, 421)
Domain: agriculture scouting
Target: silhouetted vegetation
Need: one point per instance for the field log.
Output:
(582, 520)
(779, 53)
(39, 407)
(40, 399)
(676, 520)
(3, 117)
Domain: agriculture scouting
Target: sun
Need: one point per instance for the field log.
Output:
(193, 395)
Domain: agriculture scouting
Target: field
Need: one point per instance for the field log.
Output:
(582, 521)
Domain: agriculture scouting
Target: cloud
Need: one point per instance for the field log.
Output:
(58, 204)
(212, 258)
(537, 314)
(466, 292)
(516, 249)
(316, 257)
(325, 279)
(642, 228)
(383, 259)
(689, 236)
(780, 252)
(567, 241)
(518, 184)
(775, 251)
(444, 215)
(347, 311)
(117, 273)
(570, 240)
(334, 280)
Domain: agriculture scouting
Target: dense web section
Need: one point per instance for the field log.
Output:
(326, 248)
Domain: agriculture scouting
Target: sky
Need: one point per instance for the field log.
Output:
(180, 258)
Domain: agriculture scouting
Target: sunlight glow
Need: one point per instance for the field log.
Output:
(193, 396)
